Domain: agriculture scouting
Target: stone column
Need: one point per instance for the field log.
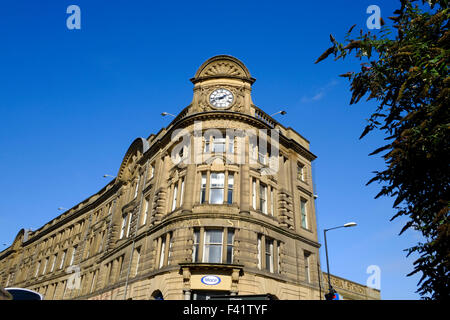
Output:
(189, 188)
(186, 283)
(244, 196)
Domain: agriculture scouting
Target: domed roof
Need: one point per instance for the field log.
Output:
(223, 66)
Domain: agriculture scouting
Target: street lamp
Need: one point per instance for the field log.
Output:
(108, 175)
(62, 208)
(347, 225)
(168, 114)
(282, 112)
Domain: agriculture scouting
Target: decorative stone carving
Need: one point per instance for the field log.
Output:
(285, 209)
(223, 68)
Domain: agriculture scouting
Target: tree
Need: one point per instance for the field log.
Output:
(405, 70)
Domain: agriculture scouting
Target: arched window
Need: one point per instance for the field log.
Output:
(157, 295)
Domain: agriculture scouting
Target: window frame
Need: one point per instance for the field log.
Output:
(304, 213)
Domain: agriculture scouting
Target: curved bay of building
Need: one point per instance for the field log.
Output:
(201, 208)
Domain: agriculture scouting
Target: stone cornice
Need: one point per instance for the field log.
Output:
(208, 115)
(77, 213)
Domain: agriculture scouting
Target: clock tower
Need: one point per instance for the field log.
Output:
(222, 83)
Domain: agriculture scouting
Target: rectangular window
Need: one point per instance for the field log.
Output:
(279, 257)
(182, 192)
(230, 188)
(169, 255)
(120, 262)
(254, 194)
(207, 146)
(72, 259)
(196, 245)
(37, 269)
(219, 145)
(217, 182)
(102, 239)
(269, 255)
(263, 198)
(174, 198)
(303, 213)
(163, 252)
(259, 252)
(152, 169)
(230, 144)
(45, 266)
(94, 279)
(137, 187)
(300, 171)
(146, 208)
(203, 189)
(230, 245)
(137, 257)
(110, 273)
(63, 258)
(212, 251)
(307, 271)
(130, 215)
(272, 205)
(53, 264)
(124, 225)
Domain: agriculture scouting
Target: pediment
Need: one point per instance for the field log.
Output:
(223, 66)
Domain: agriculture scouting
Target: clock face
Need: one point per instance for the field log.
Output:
(221, 98)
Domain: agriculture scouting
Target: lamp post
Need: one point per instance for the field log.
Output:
(168, 114)
(282, 112)
(347, 225)
(108, 175)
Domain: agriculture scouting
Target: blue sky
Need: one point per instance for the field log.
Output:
(72, 101)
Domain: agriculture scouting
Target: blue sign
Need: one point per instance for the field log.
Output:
(336, 296)
(211, 280)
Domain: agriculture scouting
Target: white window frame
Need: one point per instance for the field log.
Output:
(203, 183)
(53, 263)
(259, 252)
(163, 252)
(206, 245)
(72, 258)
(130, 217)
(230, 188)
(137, 187)
(270, 253)
(304, 213)
(124, 225)
(217, 186)
(263, 200)
(174, 197)
(219, 142)
(307, 257)
(196, 246)
(63, 258)
(182, 192)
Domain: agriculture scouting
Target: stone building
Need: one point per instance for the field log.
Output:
(204, 207)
